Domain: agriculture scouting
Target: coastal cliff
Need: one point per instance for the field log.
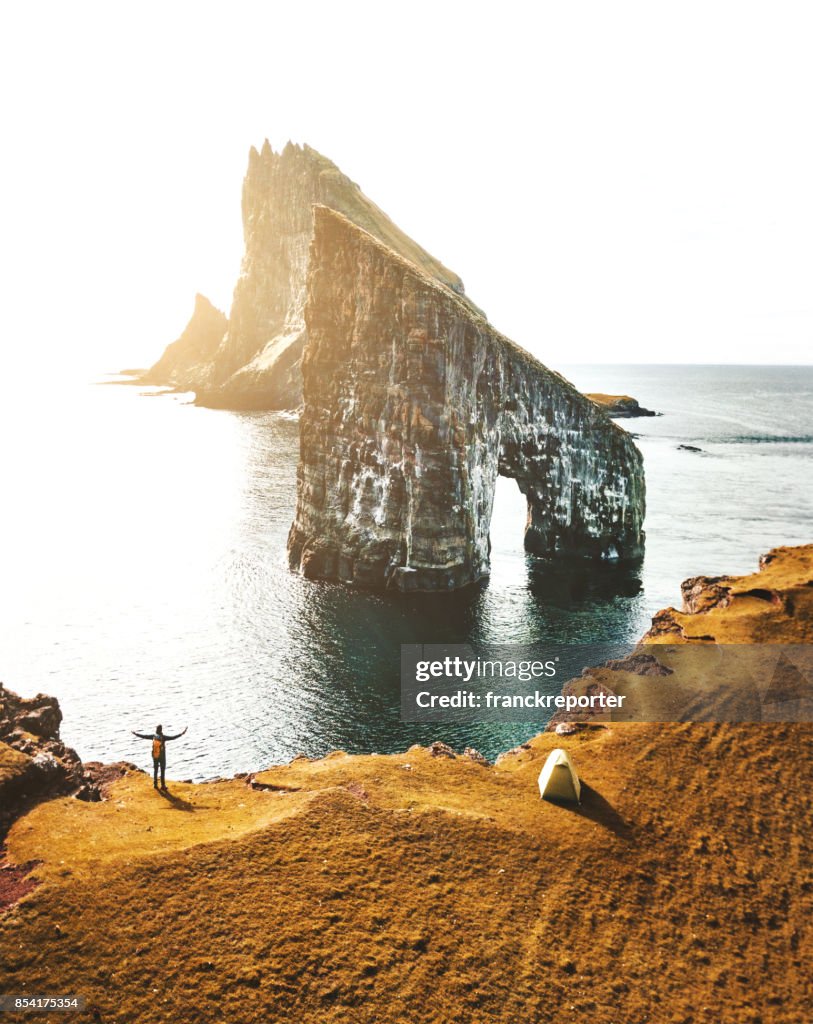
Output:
(426, 886)
(256, 365)
(35, 764)
(413, 405)
(771, 606)
(720, 657)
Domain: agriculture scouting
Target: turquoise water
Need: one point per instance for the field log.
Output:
(142, 546)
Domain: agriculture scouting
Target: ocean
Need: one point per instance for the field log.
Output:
(144, 578)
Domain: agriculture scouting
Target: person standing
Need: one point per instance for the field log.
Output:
(159, 752)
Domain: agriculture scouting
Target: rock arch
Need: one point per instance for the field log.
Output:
(413, 404)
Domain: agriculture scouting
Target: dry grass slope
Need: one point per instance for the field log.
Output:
(417, 888)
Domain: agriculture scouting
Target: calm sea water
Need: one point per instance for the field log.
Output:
(142, 552)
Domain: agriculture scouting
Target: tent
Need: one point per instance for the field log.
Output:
(558, 779)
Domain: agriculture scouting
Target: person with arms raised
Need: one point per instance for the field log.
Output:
(159, 751)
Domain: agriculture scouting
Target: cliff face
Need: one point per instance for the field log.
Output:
(257, 365)
(413, 405)
(187, 362)
(772, 606)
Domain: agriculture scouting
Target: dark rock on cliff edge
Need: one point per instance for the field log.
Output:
(620, 407)
(413, 405)
(186, 363)
(771, 606)
(35, 764)
(256, 365)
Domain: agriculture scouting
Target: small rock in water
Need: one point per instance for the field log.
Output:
(620, 406)
(688, 448)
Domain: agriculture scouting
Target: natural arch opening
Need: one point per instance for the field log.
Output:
(509, 518)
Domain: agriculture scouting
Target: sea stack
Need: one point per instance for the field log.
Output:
(186, 363)
(255, 363)
(413, 405)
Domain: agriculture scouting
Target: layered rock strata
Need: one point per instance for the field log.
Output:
(413, 404)
(255, 363)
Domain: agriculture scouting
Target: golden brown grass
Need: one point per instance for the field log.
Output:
(446, 891)
(602, 399)
(137, 821)
(13, 764)
(411, 888)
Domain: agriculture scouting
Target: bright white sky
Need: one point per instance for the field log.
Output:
(615, 182)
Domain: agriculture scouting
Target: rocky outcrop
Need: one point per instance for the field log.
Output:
(187, 362)
(256, 365)
(759, 613)
(413, 405)
(620, 407)
(35, 764)
(771, 606)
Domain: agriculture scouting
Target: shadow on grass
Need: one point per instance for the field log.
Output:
(595, 808)
(176, 802)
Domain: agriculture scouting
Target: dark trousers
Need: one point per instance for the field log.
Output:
(159, 762)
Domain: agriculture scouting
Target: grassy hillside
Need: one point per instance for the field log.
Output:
(424, 887)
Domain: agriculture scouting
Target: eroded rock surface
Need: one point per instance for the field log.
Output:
(413, 405)
(255, 363)
(772, 606)
(35, 764)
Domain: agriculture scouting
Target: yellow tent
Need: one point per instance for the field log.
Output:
(558, 779)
